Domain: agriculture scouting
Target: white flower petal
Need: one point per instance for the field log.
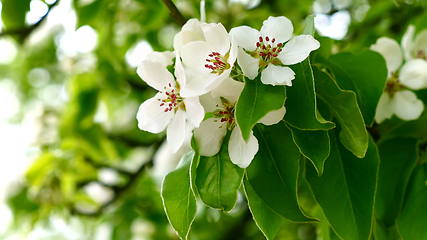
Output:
(155, 75)
(280, 28)
(391, 52)
(217, 37)
(197, 84)
(248, 64)
(414, 74)
(194, 56)
(176, 131)
(164, 58)
(385, 108)
(151, 117)
(273, 117)
(241, 152)
(245, 37)
(191, 31)
(277, 75)
(341, 4)
(407, 106)
(420, 43)
(408, 42)
(209, 136)
(230, 89)
(194, 110)
(179, 71)
(298, 49)
(210, 103)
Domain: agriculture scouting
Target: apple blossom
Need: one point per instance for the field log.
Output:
(209, 136)
(207, 56)
(397, 97)
(414, 47)
(167, 109)
(271, 50)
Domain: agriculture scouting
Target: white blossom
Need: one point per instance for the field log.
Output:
(398, 98)
(167, 109)
(207, 56)
(271, 50)
(209, 136)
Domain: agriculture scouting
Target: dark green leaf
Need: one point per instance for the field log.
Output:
(218, 179)
(398, 158)
(178, 199)
(343, 105)
(256, 100)
(346, 190)
(265, 218)
(411, 223)
(365, 74)
(301, 107)
(273, 174)
(314, 145)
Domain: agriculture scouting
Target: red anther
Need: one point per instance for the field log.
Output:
(274, 49)
(257, 44)
(162, 104)
(166, 109)
(279, 50)
(167, 93)
(223, 119)
(273, 40)
(274, 55)
(263, 47)
(211, 55)
(207, 60)
(267, 38)
(260, 39)
(170, 85)
(279, 44)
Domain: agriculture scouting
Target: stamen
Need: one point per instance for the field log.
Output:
(172, 100)
(218, 63)
(267, 50)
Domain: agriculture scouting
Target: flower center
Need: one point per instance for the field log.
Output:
(217, 63)
(172, 100)
(225, 113)
(421, 54)
(393, 85)
(267, 50)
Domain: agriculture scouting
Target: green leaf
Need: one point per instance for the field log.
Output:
(365, 74)
(218, 179)
(276, 166)
(13, 13)
(178, 199)
(346, 190)
(314, 145)
(411, 222)
(398, 158)
(265, 218)
(343, 105)
(255, 101)
(301, 106)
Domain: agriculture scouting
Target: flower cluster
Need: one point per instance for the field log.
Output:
(198, 96)
(407, 71)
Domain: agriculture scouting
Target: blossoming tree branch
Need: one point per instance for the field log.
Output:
(268, 114)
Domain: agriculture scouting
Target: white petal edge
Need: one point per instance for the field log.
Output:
(242, 153)
(151, 117)
(413, 74)
(280, 28)
(217, 37)
(245, 37)
(407, 106)
(176, 131)
(273, 117)
(248, 64)
(277, 75)
(209, 136)
(194, 110)
(420, 43)
(155, 75)
(408, 42)
(384, 108)
(191, 31)
(298, 49)
(391, 52)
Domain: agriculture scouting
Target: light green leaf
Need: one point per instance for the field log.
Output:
(178, 199)
(398, 158)
(346, 190)
(365, 74)
(411, 223)
(218, 179)
(265, 218)
(314, 145)
(343, 105)
(301, 106)
(273, 174)
(255, 101)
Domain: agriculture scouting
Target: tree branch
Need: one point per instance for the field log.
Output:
(25, 31)
(174, 12)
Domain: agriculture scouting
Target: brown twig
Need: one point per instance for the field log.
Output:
(25, 31)
(174, 12)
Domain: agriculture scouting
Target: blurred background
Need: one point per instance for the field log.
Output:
(74, 164)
